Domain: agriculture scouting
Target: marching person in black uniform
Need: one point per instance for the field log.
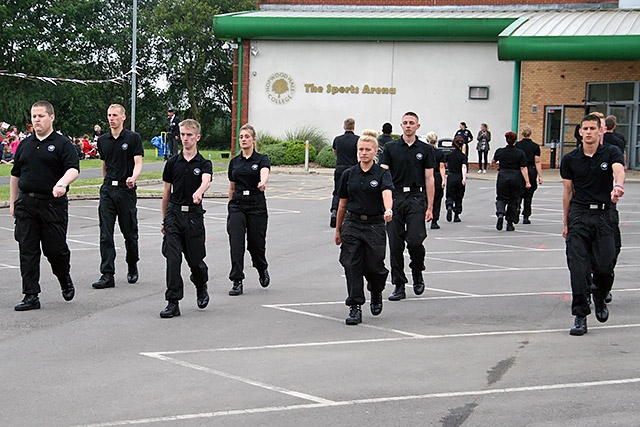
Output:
(458, 165)
(121, 152)
(247, 210)
(534, 169)
(439, 178)
(365, 204)
(512, 169)
(45, 164)
(173, 133)
(411, 163)
(593, 178)
(345, 148)
(186, 177)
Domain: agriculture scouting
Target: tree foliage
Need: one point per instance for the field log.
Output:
(91, 39)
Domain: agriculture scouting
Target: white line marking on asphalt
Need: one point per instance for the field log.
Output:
(451, 394)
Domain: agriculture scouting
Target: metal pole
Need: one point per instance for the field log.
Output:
(134, 61)
(306, 156)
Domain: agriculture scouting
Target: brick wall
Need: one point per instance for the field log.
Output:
(244, 116)
(557, 83)
(423, 2)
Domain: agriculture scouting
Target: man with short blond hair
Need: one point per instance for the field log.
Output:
(121, 152)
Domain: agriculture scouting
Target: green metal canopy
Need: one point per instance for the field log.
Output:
(562, 35)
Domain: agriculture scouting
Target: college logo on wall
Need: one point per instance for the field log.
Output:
(280, 88)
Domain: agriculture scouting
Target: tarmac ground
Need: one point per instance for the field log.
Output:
(487, 344)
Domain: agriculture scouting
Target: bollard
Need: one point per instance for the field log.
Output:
(306, 156)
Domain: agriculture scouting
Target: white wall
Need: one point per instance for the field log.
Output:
(431, 79)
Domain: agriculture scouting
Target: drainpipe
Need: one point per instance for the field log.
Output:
(240, 52)
(515, 104)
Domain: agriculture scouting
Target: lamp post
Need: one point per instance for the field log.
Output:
(134, 60)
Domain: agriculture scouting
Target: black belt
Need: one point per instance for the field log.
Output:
(39, 196)
(372, 218)
(114, 183)
(408, 189)
(593, 206)
(185, 208)
(252, 192)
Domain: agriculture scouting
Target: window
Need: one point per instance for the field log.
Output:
(478, 92)
(610, 92)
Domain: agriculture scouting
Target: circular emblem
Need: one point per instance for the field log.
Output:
(419, 156)
(280, 88)
(196, 171)
(254, 166)
(604, 166)
(373, 183)
(125, 145)
(51, 148)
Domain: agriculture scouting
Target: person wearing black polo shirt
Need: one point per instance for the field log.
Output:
(439, 179)
(411, 163)
(458, 165)
(186, 177)
(466, 135)
(593, 178)
(247, 210)
(346, 151)
(512, 172)
(365, 204)
(534, 169)
(121, 152)
(45, 164)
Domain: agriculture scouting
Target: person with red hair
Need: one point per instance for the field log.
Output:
(511, 171)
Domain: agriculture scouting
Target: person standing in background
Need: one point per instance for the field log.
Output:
(534, 169)
(466, 135)
(44, 166)
(173, 133)
(346, 151)
(482, 147)
(439, 178)
(458, 166)
(387, 128)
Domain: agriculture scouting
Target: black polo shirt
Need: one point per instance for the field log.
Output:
(185, 176)
(455, 160)
(346, 147)
(39, 165)
(408, 163)
(118, 153)
(510, 158)
(245, 172)
(531, 150)
(592, 177)
(440, 158)
(363, 190)
(465, 134)
(611, 139)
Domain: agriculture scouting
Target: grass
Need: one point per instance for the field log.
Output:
(91, 186)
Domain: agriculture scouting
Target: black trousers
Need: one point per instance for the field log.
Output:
(590, 248)
(174, 146)
(41, 222)
(337, 176)
(407, 226)
(362, 256)
(455, 192)
(184, 233)
(527, 193)
(247, 215)
(438, 194)
(508, 193)
(117, 202)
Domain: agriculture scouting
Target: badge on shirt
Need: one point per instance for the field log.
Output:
(419, 156)
(51, 148)
(373, 183)
(604, 166)
(125, 145)
(254, 166)
(196, 171)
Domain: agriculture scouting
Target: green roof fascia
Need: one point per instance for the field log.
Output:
(569, 48)
(234, 26)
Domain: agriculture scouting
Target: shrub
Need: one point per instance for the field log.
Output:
(295, 153)
(263, 139)
(326, 158)
(276, 153)
(313, 134)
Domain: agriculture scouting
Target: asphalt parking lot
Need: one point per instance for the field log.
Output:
(487, 344)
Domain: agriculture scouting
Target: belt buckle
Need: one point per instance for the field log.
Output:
(594, 206)
(184, 208)
(114, 183)
(406, 189)
(364, 217)
(246, 192)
